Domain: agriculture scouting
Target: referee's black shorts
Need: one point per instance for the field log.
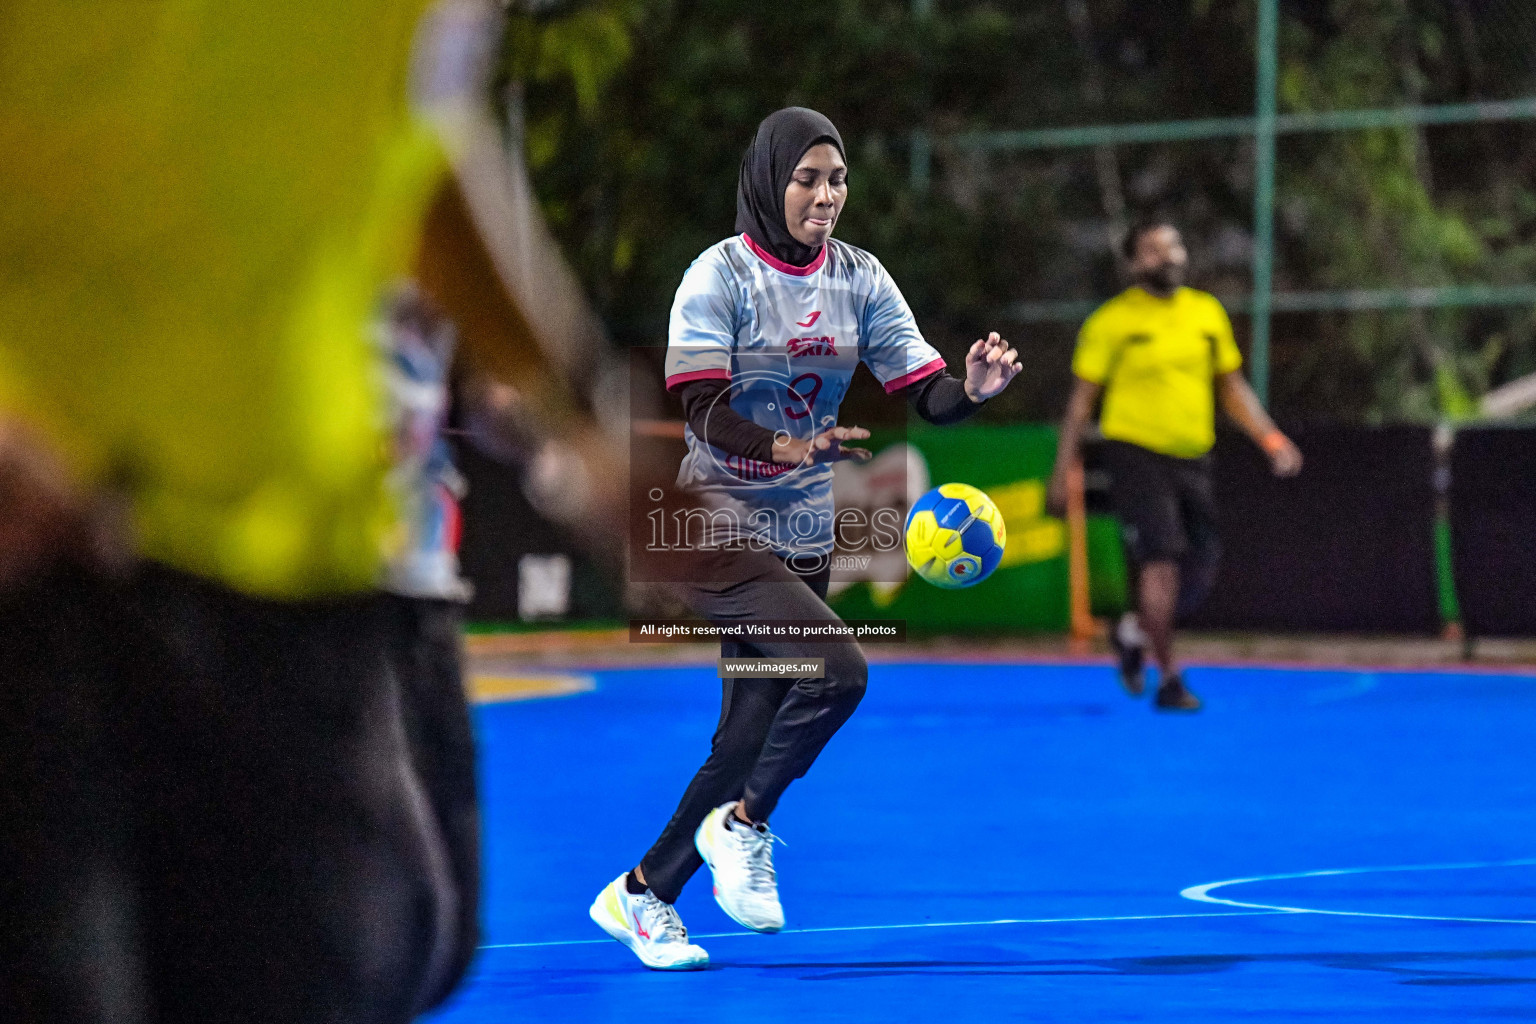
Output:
(1166, 505)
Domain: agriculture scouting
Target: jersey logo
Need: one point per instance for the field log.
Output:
(810, 321)
(823, 346)
(752, 469)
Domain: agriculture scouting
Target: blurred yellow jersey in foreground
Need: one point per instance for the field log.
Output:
(201, 203)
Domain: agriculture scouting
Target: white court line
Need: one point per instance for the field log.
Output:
(896, 927)
(1362, 684)
(1202, 893)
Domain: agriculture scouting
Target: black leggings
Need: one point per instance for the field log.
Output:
(771, 730)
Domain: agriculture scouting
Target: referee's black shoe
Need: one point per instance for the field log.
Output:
(1130, 660)
(1173, 695)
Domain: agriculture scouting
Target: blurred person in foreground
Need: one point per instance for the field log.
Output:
(1153, 353)
(209, 810)
(432, 383)
(426, 594)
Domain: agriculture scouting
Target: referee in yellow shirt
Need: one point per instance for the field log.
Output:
(1154, 353)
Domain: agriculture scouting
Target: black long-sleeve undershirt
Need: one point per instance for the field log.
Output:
(707, 407)
(941, 399)
(937, 398)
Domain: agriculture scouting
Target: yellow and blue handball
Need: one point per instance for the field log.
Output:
(955, 536)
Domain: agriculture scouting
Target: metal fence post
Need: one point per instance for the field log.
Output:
(1264, 191)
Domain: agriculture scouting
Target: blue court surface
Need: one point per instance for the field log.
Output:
(987, 842)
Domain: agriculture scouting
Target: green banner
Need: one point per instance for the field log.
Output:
(1028, 592)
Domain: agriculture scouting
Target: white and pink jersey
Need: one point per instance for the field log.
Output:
(788, 340)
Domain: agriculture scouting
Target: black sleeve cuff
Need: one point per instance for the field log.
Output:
(941, 399)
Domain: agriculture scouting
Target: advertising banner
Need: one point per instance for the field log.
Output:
(1012, 464)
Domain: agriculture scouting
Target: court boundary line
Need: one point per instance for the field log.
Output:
(899, 927)
(1202, 893)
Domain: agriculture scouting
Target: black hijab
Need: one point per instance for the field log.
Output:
(781, 140)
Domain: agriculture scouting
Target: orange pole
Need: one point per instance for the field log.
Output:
(1077, 560)
(657, 428)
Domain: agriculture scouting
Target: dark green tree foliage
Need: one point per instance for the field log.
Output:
(636, 113)
(1378, 209)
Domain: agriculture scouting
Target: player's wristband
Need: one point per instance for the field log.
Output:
(1273, 442)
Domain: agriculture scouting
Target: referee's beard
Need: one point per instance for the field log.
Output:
(1162, 280)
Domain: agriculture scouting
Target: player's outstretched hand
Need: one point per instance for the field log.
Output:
(989, 366)
(825, 447)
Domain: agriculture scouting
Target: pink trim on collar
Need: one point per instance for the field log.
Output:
(782, 267)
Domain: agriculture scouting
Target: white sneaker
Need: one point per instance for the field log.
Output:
(741, 858)
(648, 926)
